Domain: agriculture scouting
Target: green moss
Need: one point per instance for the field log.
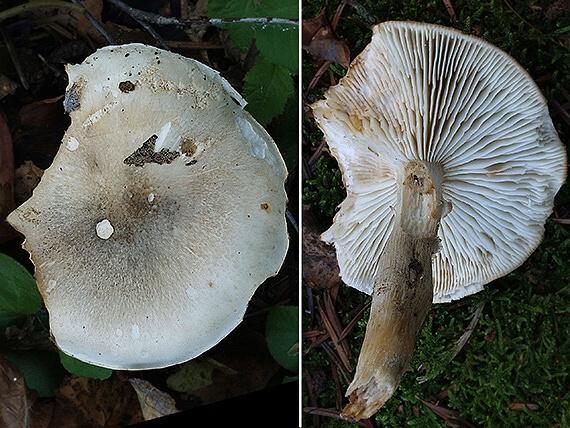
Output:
(325, 191)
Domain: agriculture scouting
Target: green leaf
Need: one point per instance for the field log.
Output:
(253, 9)
(285, 131)
(267, 88)
(197, 374)
(42, 369)
(18, 292)
(282, 335)
(79, 368)
(278, 43)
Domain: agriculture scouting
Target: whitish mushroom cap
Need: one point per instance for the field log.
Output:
(161, 214)
(476, 118)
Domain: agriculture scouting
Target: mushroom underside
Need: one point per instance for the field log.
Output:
(451, 164)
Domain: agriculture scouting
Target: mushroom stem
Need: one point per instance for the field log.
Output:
(401, 299)
(402, 295)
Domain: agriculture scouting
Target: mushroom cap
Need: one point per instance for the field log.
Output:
(475, 118)
(163, 211)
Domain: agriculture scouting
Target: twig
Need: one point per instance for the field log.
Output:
(353, 322)
(163, 20)
(337, 14)
(330, 309)
(143, 15)
(53, 22)
(329, 326)
(181, 44)
(142, 18)
(184, 9)
(96, 24)
(145, 18)
(361, 10)
(55, 4)
(153, 33)
(467, 333)
(519, 406)
(450, 10)
(318, 75)
(317, 154)
(566, 116)
(312, 395)
(451, 417)
(14, 56)
(558, 42)
(292, 220)
(337, 383)
(521, 18)
(222, 21)
(336, 359)
(331, 413)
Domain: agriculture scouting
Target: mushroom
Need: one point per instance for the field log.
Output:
(163, 211)
(451, 164)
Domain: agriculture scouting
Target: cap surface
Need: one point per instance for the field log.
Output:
(475, 118)
(161, 214)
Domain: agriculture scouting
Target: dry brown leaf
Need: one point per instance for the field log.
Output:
(320, 267)
(7, 86)
(451, 417)
(7, 203)
(519, 406)
(311, 26)
(478, 28)
(41, 113)
(154, 402)
(320, 41)
(556, 9)
(40, 127)
(245, 352)
(82, 25)
(533, 6)
(123, 34)
(27, 177)
(99, 403)
(18, 405)
(120, 33)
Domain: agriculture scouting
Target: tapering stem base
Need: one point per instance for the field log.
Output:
(401, 300)
(402, 295)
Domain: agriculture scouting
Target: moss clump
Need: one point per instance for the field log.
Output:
(325, 191)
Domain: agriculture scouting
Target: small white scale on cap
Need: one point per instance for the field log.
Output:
(72, 143)
(104, 229)
(51, 285)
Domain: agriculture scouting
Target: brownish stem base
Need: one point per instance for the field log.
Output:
(400, 302)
